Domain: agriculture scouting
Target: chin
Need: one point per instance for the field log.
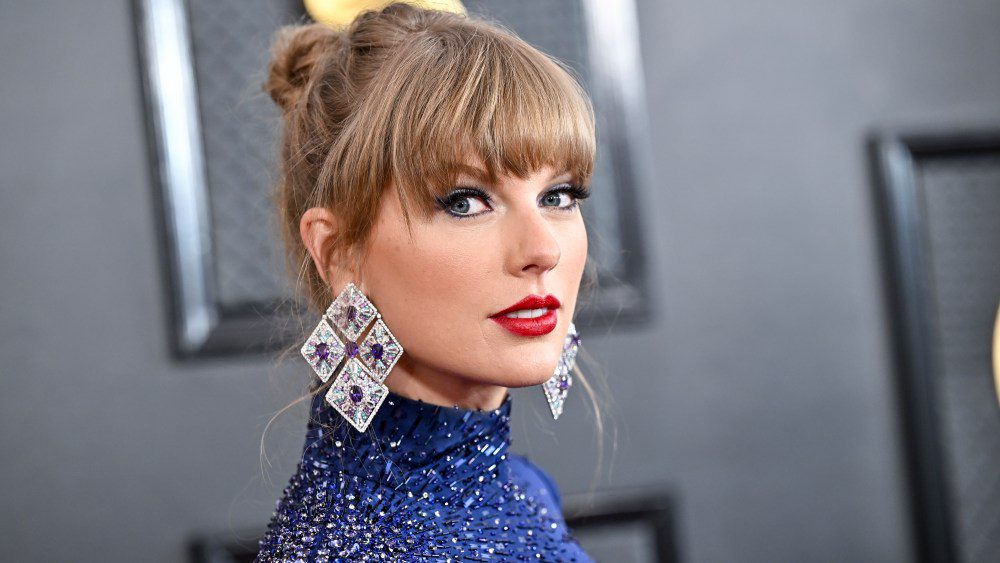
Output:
(526, 374)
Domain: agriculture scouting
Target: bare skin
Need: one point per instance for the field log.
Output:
(437, 289)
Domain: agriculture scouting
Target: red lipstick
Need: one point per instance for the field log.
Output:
(536, 326)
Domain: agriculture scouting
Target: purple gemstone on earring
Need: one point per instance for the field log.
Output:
(377, 351)
(352, 312)
(356, 394)
(352, 348)
(323, 351)
(575, 340)
(563, 383)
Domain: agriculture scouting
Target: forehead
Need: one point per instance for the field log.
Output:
(470, 171)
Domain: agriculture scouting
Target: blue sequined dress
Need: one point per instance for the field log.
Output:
(423, 483)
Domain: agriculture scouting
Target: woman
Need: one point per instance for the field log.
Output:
(433, 167)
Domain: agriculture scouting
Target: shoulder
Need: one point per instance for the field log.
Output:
(539, 481)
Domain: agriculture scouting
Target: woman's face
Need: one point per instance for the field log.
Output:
(483, 251)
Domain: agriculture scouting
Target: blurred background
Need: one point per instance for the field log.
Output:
(797, 213)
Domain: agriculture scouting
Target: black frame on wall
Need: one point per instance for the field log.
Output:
(895, 157)
(202, 325)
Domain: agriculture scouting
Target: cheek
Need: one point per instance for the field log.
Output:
(573, 261)
(442, 268)
(575, 246)
(433, 290)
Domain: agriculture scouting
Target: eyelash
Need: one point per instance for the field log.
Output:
(579, 194)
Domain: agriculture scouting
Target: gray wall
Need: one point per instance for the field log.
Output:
(760, 393)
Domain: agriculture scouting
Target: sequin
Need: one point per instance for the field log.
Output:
(422, 483)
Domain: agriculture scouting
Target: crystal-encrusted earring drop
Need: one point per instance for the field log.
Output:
(557, 387)
(358, 390)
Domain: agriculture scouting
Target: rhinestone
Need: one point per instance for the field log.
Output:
(380, 350)
(351, 312)
(353, 380)
(351, 349)
(356, 394)
(557, 386)
(323, 350)
(570, 347)
(556, 389)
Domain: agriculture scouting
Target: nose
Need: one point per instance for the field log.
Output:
(534, 248)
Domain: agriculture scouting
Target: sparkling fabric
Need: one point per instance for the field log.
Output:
(422, 483)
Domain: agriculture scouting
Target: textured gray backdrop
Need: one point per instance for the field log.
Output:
(760, 391)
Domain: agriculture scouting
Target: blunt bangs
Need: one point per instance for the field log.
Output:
(486, 106)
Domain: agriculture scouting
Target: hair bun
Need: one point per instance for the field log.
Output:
(294, 54)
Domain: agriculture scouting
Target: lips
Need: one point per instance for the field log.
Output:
(530, 326)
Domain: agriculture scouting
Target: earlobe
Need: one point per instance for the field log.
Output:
(318, 229)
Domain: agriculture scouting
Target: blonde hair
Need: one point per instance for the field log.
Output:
(402, 96)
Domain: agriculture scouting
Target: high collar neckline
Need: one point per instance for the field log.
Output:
(409, 435)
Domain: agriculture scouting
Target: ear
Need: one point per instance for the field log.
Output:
(319, 228)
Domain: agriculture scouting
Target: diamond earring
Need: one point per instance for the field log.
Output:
(358, 390)
(557, 386)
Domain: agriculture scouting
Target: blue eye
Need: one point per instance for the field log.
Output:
(464, 203)
(465, 206)
(555, 199)
(565, 198)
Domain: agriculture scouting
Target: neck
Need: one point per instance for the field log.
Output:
(445, 445)
(434, 387)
